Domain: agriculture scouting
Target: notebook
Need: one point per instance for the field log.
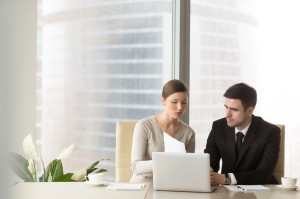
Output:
(181, 172)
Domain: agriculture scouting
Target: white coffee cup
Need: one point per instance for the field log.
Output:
(288, 182)
(95, 178)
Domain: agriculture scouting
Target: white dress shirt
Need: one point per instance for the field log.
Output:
(244, 131)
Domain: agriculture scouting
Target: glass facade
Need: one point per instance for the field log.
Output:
(102, 62)
(221, 47)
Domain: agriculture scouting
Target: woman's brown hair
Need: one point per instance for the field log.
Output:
(173, 86)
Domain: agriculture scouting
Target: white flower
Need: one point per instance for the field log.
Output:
(28, 147)
(66, 152)
(31, 166)
(79, 175)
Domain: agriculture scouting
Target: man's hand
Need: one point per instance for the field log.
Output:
(216, 178)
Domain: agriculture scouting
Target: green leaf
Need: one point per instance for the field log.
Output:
(91, 168)
(88, 171)
(93, 165)
(65, 178)
(101, 170)
(49, 177)
(55, 169)
(19, 166)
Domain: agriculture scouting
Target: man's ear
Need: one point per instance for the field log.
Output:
(250, 110)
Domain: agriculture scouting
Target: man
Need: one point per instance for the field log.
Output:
(248, 145)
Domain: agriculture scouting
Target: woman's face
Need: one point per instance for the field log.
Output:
(176, 104)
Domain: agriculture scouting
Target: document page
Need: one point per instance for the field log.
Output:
(233, 188)
(244, 188)
(254, 188)
(173, 145)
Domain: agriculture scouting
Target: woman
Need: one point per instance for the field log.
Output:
(148, 132)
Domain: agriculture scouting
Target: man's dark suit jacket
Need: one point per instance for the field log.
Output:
(258, 156)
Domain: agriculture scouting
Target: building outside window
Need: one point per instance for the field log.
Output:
(99, 62)
(104, 61)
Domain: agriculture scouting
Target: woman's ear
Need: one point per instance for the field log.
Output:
(163, 100)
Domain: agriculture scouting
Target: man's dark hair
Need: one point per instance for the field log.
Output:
(243, 92)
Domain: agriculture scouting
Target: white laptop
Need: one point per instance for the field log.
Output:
(181, 172)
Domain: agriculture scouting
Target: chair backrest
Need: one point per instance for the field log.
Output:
(124, 133)
(279, 170)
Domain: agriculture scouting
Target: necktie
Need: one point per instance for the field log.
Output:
(239, 142)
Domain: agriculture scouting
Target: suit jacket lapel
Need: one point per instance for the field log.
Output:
(250, 136)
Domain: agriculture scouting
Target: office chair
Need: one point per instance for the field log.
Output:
(279, 169)
(124, 133)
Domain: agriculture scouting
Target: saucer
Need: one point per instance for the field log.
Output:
(287, 188)
(93, 184)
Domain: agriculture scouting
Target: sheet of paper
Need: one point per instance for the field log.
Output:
(173, 145)
(126, 187)
(254, 188)
(243, 188)
(233, 188)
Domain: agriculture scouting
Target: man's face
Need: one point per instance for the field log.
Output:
(236, 116)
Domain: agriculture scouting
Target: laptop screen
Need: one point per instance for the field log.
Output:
(181, 171)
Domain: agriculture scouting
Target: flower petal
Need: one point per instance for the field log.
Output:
(31, 166)
(79, 175)
(66, 152)
(28, 147)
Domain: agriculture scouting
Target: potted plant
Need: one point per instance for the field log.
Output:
(26, 169)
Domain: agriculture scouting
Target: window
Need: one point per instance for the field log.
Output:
(101, 62)
(221, 52)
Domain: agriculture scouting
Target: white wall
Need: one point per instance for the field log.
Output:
(17, 73)
(18, 66)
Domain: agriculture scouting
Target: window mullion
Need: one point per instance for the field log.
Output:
(181, 44)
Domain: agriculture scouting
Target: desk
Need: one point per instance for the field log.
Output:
(77, 190)
(69, 190)
(223, 193)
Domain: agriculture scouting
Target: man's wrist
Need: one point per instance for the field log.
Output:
(227, 179)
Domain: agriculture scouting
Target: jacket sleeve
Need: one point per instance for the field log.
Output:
(213, 151)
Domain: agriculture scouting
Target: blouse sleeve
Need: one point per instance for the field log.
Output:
(140, 139)
(190, 148)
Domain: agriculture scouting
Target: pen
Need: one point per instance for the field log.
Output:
(240, 187)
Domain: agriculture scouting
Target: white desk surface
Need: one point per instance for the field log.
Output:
(223, 193)
(77, 190)
(70, 190)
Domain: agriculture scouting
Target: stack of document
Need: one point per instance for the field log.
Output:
(126, 187)
(241, 188)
